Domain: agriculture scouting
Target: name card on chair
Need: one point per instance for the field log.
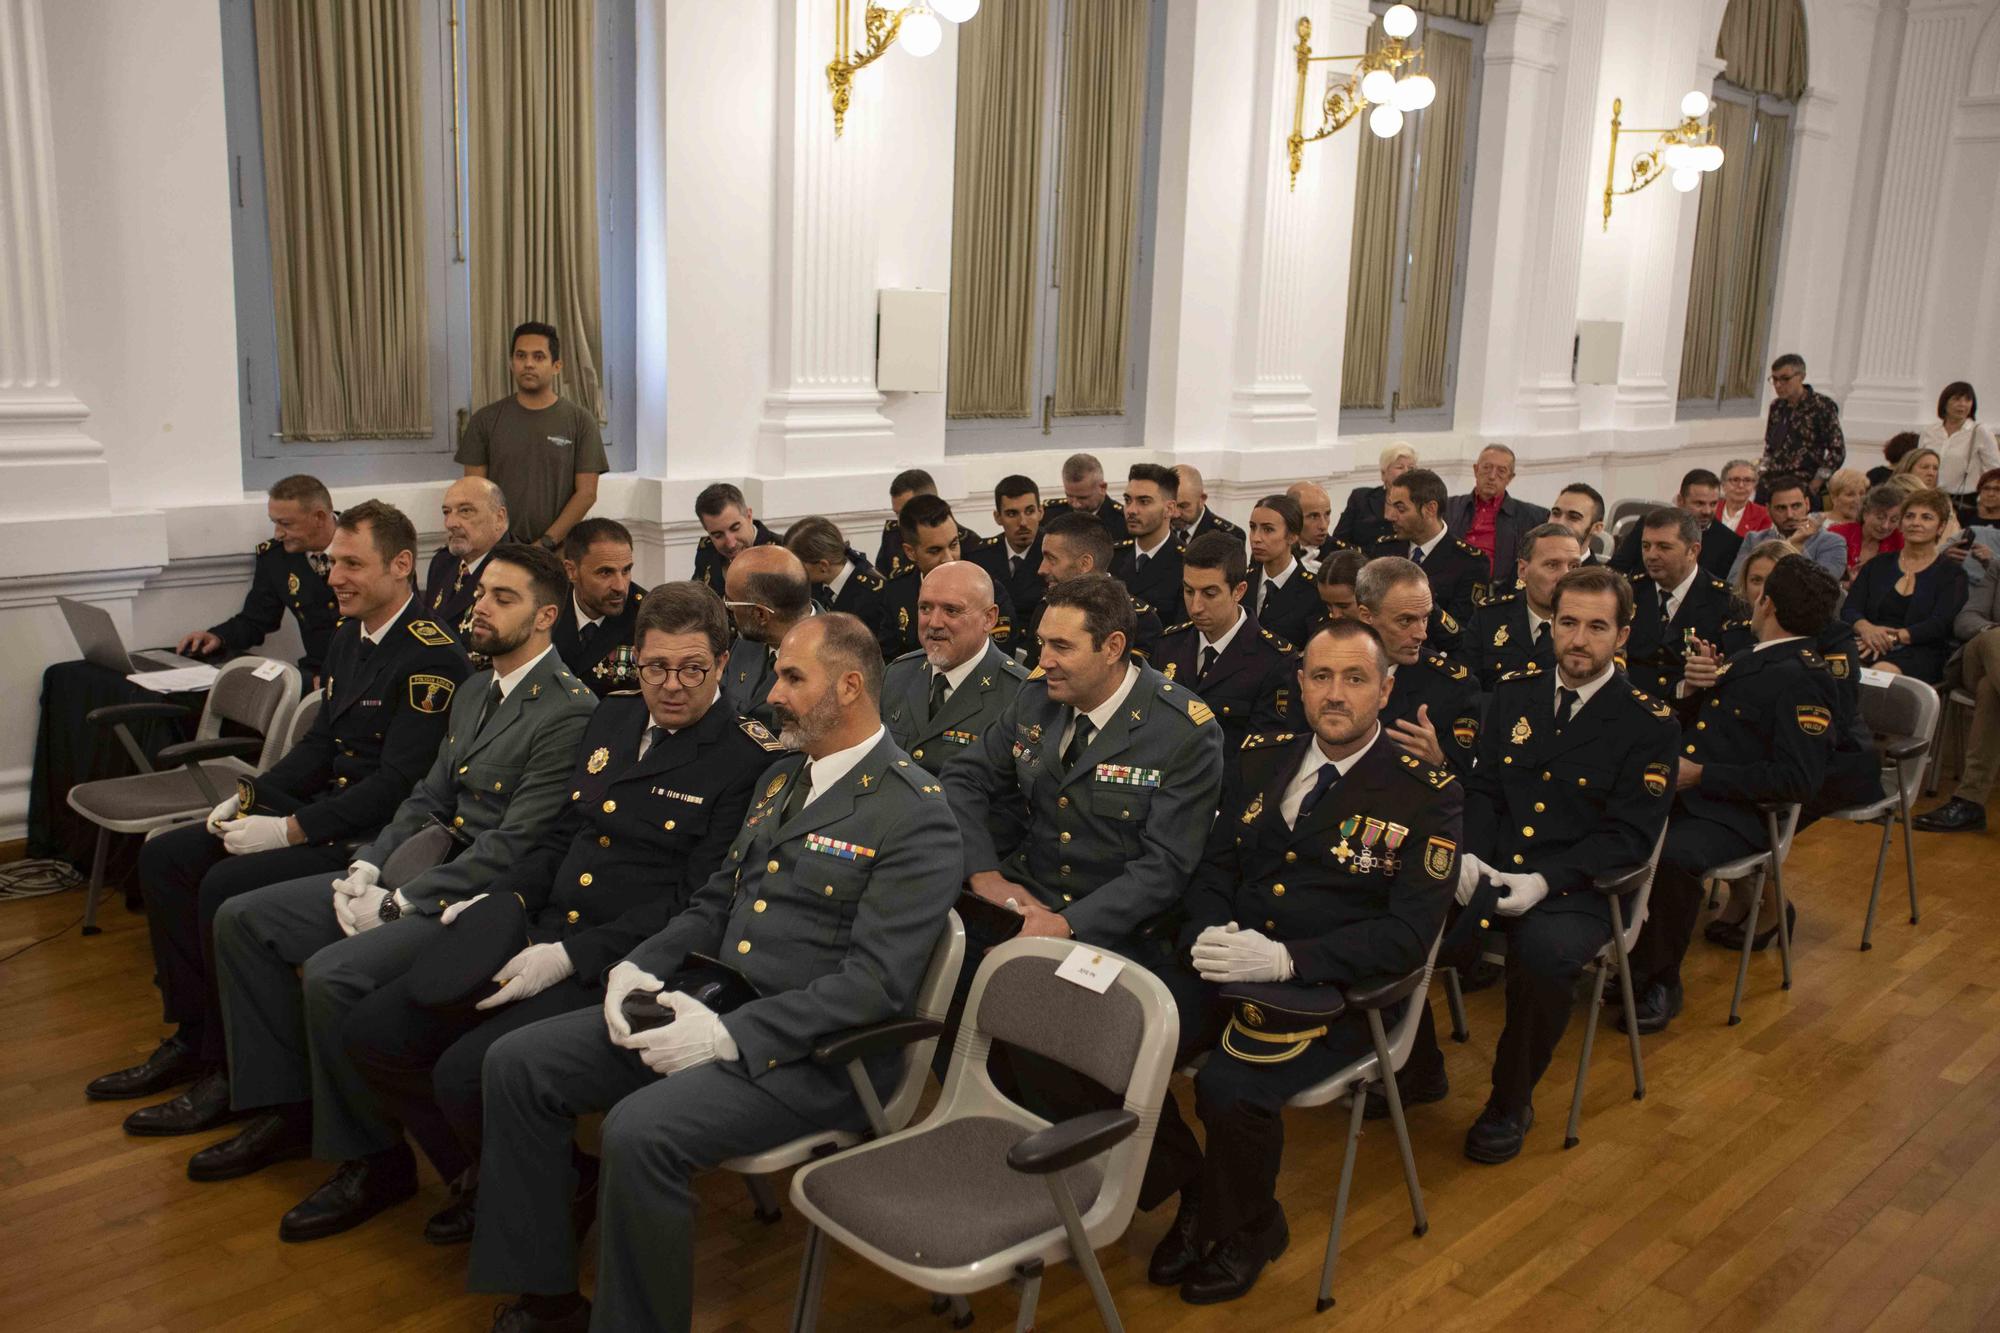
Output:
(1092, 969)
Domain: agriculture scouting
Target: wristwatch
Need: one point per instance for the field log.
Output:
(390, 909)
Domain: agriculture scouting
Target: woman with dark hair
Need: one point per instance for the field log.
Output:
(1965, 448)
(1893, 453)
(1875, 532)
(1903, 602)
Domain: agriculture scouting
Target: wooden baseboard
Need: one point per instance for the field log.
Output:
(13, 849)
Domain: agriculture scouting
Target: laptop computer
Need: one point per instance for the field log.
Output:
(97, 635)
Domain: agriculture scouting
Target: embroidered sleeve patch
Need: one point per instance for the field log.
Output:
(430, 694)
(1439, 856)
(1199, 712)
(1655, 778)
(1465, 730)
(1814, 719)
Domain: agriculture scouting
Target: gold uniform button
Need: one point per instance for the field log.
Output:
(1546, 775)
(1277, 890)
(611, 807)
(919, 754)
(584, 879)
(574, 917)
(1270, 925)
(1517, 858)
(1062, 802)
(1527, 830)
(1690, 749)
(458, 821)
(1484, 924)
(440, 904)
(1506, 758)
(603, 841)
(758, 906)
(576, 796)
(1701, 726)
(1583, 782)
(496, 786)
(771, 867)
(1068, 899)
(1064, 836)
(1064, 869)
(829, 890)
(1539, 807)
(770, 1064)
(743, 946)
(463, 767)
(1291, 857)
(668, 826)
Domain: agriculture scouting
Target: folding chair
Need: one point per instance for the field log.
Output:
(202, 769)
(1781, 821)
(951, 1204)
(1624, 513)
(1617, 950)
(1903, 714)
(1958, 706)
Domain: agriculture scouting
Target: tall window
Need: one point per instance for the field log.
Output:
(409, 179)
(1733, 280)
(1412, 230)
(1052, 210)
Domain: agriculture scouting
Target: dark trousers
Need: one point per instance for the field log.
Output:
(186, 876)
(423, 1064)
(1693, 845)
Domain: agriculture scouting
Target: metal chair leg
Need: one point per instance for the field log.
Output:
(1631, 1003)
(1419, 1223)
(1875, 893)
(805, 1305)
(1743, 963)
(1714, 894)
(1030, 1275)
(1778, 895)
(1583, 1057)
(1357, 1101)
(1909, 844)
(96, 889)
(1085, 1257)
(763, 1199)
(1455, 1000)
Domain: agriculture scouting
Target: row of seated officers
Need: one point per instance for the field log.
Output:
(1233, 811)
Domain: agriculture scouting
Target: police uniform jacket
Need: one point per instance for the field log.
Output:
(1024, 589)
(1451, 694)
(860, 596)
(968, 710)
(1159, 583)
(1459, 575)
(830, 911)
(639, 835)
(1568, 805)
(891, 560)
(382, 714)
(709, 567)
(1719, 547)
(1113, 839)
(282, 581)
(747, 679)
(899, 614)
(1358, 888)
(1656, 660)
(1763, 732)
(1361, 522)
(606, 663)
(1500, 638)
(448, 594)
(1290, 609)
(1110, 516)
(1854, 770)
(1249, 686)
(501, 785)
(1209, 521)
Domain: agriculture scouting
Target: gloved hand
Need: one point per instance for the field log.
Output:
(360, 878)
(256, 833)
(529, 972)
(619, 982)
(222, 812)
(1470, 868)
(695, 1037)
(363, 911)
(457, 909)
(1225, 953)
(1523, 891)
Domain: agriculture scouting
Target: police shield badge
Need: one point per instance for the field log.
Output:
(1814, 719)
(1439, 853)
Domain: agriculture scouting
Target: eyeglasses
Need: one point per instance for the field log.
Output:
(690, 676)
(1784, 377)
(734, 607)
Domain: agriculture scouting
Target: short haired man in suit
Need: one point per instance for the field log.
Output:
(828, 903)
(1281, 593)
(500, 780)
(1580, 508)
(1459, 573)
(1148, 562)
(1072, 546)
(1013, 560)
(475, 521)
(1491, 519)
(1363, 522)
(1084, 492)
(841, 577)
(1514, 628)
(1192, 516)
(938, 700)
(1677, 601)
(729, 527)
(594, 632)
(1433, 711)
(768, 595)
(1242, 671)
(1700, 492)
(931, 537)
(290, 575)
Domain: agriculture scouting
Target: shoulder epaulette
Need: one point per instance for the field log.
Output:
(638, 596)
(891, 524)
(1503, 598)
(1468, 547)
(1176, 629)
(1140, 608)
(759, 733)
(1127, 542)
(429, 634)
(1258, 740)
(1811, 658)
(1649, 703)
(869, 579)
(1013, 668)
(1437, 662)
(1532, 669)
(905, 572)
(1036, 674)
(1281, 644)
(623, 694)
(706, 543)
(1436, 777)
(263, 547)
(1717, 584)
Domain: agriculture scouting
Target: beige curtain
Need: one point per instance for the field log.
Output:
(338, 98)
(995, 184)
(1434, 224)
(1763, 43)
(1471, 11)
(1097, 211)
(1716, 236)
(533, 146)
(1756, 272)
(1371, 266)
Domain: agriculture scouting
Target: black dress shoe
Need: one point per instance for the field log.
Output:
(1731, 936)
(1496, 1136)
(1957, 815)
(203, 1106)
(1411, 1089)
(453, 1225)
(1178, 1253)
(271, 1136)
(516, 1319)
(1659, 1004)
(171, 1063)
(358, 1190)
(1479, 976)
(1231, 1268)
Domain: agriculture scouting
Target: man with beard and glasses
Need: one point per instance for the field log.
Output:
(593, 635)
(475, 521)
(543, 451)
(829, 903)
(768, 594)
(499, 781)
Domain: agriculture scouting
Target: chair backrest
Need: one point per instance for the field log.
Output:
(1626, 512)
(262, 703)
(303, 718)
(1642, 900)
(1900, 708)
(1404, 1036)
(933, 1002)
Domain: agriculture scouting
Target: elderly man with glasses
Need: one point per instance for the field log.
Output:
(1802, 434)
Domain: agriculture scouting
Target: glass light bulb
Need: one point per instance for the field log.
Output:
(1414, 93)
(1695, 104)
(1385, 121)
(958, 11)
(1709, 157)
(1378, 85)
(921, 33)
(1399, 21)
(1686, 179)
(1680, 157)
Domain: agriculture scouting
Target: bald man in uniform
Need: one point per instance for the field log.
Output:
(768, 594)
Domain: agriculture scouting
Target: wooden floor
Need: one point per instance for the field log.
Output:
(1832, 1163)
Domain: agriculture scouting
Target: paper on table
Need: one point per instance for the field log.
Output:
(175, 679)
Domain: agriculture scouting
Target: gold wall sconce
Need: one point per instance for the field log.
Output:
(1372, 84)
(914, 27)
(1684, 154)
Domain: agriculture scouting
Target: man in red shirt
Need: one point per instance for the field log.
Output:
(1489, 518)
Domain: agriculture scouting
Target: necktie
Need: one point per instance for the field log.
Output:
(1666, 612)
(1207, 660)
(490, 707)
(320, 562)
(1013, 567)
(1139, 565)
(1541, 634)
(586, 634)
(1078, 741)
(1323, 783)
(459, 582)
(652, 737)
(1416, 554)
(801, 790)
(1565, 705)
(1263, 593)
(939, 687)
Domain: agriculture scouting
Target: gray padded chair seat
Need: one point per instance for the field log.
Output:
(144, 797)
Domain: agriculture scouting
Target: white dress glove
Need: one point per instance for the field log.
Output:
(695, 1037)
(255, 833)
(360, 878)
(363, 911)
(619, 982)
(529, 972)
(222, 813)
(1523, 892)
(1225, 953)
(1470, 868)
(457, 909)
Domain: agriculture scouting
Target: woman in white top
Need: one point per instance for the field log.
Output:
(1965, 448)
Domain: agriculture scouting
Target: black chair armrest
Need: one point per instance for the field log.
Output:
(112, 714)
(1908, 748)
(216, 747)
(1618, 883)
(878, 1039)
(1069, 1142)
(1385, 993)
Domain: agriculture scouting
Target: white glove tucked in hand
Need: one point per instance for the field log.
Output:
(256, 833)
(1225, 953)
(529, 972)
(619, 982)
(360, 878)
(1470, 868)
(1523, 891)
(457, 909)
(695, 1037)
(363, 911)
(221, 814)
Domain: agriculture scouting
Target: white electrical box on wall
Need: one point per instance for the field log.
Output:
(909, 341)
(1597, 345)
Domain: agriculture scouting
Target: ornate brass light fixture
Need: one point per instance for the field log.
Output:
(1685, 153)
(915, 27)
(1373, 83)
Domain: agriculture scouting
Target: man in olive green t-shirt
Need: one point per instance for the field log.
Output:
(542, 451)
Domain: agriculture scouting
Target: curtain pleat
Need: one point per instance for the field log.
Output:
(1717, 236)
(1434, 224)
(1763, 44)
(338, 100)
(1756, 272)
(533, 148)
(1371, 265)
(995, 184)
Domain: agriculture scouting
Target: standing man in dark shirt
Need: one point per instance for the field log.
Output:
(1802, 435)
(1148, 562)
(1491, 519)
(290, 574)
(1013, 559)
(543, 451)
(594, 632)
(1084, 493)
(841, 577)
(475, 521)
(729, 527)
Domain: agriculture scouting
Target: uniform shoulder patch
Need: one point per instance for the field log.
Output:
(1176, 629)
(1126, 543)
(1468, 547)
(759, 733)
(1507, 598)
(1259, 739)
(1650, 704)
(429, 634)
(1449, 621)
(869, 579)
(263, 547)
(1199, 713)
(1526, 672)
(1282, 644)
(1437, 662)
(431, 693)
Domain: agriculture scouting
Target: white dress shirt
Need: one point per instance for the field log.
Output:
(822, 773)
(1962, 458)
(1309, 767)
(1100, 716)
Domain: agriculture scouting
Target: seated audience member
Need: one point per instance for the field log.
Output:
(290, 575)
(1458, 573)
(1879, 530)
(1433, 711)
(1844, 493)
(1315, 523)
(1335, 585)
(892, 559)
(391, 674)
(1511, 631)
(1758, 727)
(939, 700)
(841, 577)
(543, 451)
(1983, 511)
(1580, 508)
(1678, 601)
(1192, 516)
(1148, 562)
(1894, 450)
(294, 958)
(475, 521)
(657, 791)
(1084, 492)
(1792, 521)
(1737, 508)
(1488, 518)
(1013, 560)
(688, 1094)
(1364, 521)
(768, 594)
(1965, 448)
(1902, 604)
(594, 632)
(1697, 499)
(1074, 545)
(1280, 902)
(1574, 778)
(729, 528)
(1242, 671)
(1976, 669)
(1281, 592)
(930, 538)
(1923, 464)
